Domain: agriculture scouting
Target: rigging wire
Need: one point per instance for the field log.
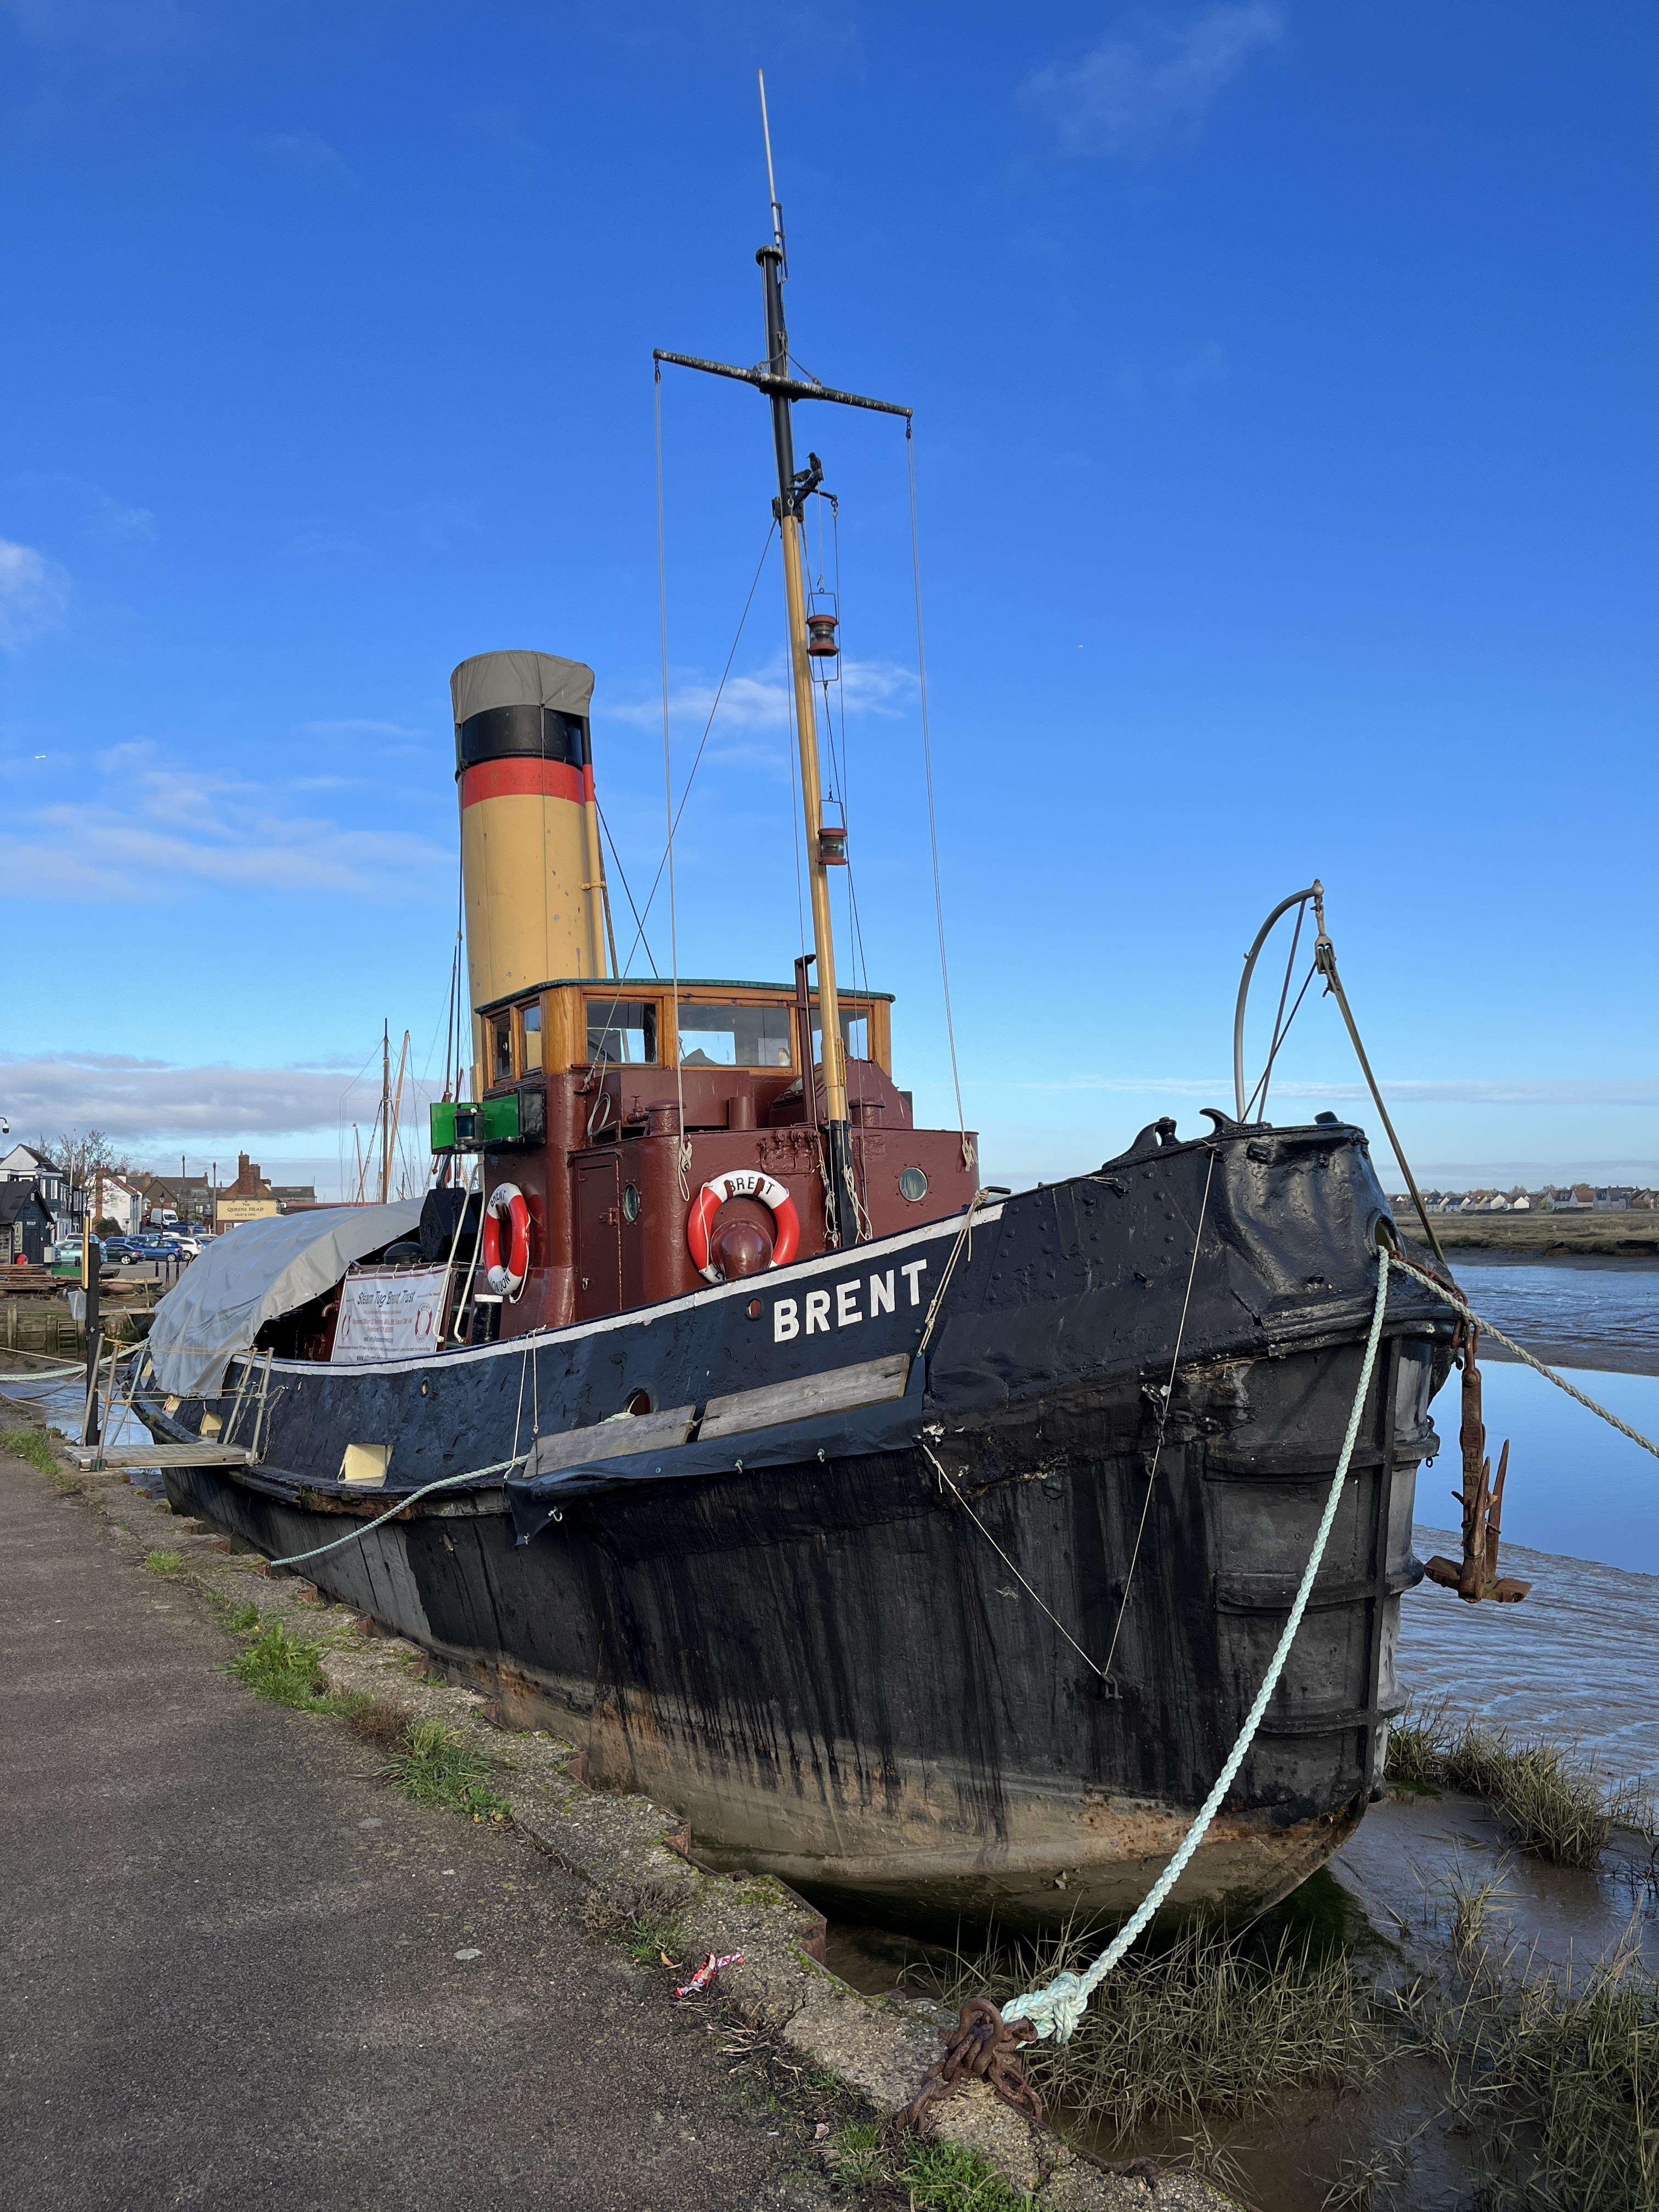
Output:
(622, 876)
(1281, 1027)
(669, 815)
(927, 764)
(1260, 1090)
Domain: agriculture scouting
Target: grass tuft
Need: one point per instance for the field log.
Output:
(244, 1618)
(284, 1668)
(33, 1444)
(165, 1563)
(648, 1930)
(860, 2159)
(372, 1720)
(946, 2177)
(437, 1766)
(1560, 1806)
(1206, 2022)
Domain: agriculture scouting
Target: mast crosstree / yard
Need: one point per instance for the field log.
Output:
(795, 487)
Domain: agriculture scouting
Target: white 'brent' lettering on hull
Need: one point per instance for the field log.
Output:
(786, 1315)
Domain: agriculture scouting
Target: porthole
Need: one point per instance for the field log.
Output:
(631, 1204)
(639, 1401)
(912, 1184)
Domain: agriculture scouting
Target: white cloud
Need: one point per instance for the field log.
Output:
(157, 826)
(1131, 92)
(138, 1101)
(761, 701)
(35, 593)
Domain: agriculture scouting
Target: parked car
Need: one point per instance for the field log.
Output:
(188, 1242)
(153, 1245)
(117, 1251)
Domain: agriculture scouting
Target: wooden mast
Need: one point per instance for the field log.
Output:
(841, 1205)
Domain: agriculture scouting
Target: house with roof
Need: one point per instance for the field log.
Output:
(28, 1165)
(26, 1223)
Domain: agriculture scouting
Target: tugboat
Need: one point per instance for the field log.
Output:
(918, 1543)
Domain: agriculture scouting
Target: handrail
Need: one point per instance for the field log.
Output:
(1315, 891)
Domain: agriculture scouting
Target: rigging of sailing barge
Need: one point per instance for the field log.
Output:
(920, 1544)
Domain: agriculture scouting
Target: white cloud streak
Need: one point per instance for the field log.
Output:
(761, 701)
(1128, 95)
(158, 828)
(35, 596)
(136, 1100)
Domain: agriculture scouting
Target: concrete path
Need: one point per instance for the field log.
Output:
(240, 1971)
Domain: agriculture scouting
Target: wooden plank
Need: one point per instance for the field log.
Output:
(125, 1455)
(869, 1383)
(610, 1439)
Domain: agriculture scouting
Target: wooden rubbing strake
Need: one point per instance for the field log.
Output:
(610, 1439)
(868, 1384)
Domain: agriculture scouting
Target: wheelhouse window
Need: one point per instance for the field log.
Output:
(855, 1032)
(622, 1032)
(501, 1049)
(530, 1057)
(735, 1035)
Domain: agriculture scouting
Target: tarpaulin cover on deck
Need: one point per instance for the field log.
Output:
(250, 1274)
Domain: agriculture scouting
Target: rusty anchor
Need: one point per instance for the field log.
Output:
(1476, 1576)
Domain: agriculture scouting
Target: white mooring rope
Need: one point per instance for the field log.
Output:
(1450, 1297)
(1055, 2011)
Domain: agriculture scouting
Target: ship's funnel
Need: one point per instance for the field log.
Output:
(529, 842)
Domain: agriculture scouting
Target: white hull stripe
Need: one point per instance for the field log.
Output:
(746, 1287)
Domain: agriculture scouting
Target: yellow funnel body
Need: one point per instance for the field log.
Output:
(530, 849)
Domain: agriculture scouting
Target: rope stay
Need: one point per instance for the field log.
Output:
(1450, 1297)
(1056, 2010)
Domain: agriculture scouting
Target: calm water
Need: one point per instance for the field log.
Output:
(1589, 1312)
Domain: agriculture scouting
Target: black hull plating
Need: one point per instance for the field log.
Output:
(802, 1640)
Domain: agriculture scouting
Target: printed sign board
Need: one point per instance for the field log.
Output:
(247, 1209)
(388, 1313)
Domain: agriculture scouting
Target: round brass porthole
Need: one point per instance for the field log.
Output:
(912, 1184)
(631, 1204)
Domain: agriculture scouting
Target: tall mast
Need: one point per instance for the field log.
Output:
(782, 389)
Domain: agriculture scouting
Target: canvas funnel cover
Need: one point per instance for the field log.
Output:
(252, 1273)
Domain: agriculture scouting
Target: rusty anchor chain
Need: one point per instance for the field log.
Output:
(981, 2047)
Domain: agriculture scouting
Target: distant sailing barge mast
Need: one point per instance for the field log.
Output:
(794, 489)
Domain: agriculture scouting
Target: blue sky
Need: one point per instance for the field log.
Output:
(1285, 459)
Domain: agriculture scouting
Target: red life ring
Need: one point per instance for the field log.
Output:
(741, 1182)
(506, 1200)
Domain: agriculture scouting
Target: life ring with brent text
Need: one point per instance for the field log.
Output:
(742, 1183)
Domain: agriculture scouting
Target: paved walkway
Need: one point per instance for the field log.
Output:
(240, 1971)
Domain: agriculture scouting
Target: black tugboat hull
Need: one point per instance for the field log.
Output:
(842, 1645)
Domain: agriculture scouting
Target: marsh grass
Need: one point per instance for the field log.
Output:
(1557, 2082)
(1204, 2023)
(434, 1765)
(1560, 1806)
(285, 1668)
(33, 1444)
